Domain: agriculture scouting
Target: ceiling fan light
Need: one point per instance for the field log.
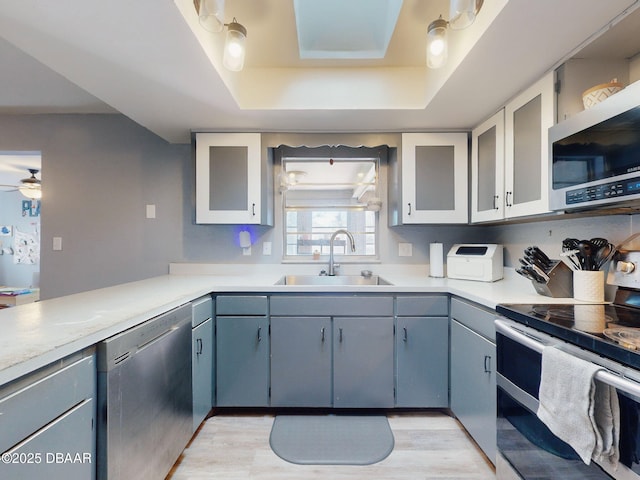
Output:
(32, 191)
(234, 47)
(211, 15)
(437, 48)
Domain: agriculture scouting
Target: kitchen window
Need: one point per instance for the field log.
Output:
(325, 189)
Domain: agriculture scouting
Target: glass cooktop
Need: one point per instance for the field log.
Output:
(587, 326)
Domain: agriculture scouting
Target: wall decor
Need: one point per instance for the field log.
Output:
(31, 208)
(26, 248)
(6, 230)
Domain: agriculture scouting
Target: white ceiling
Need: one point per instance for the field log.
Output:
(147, 60)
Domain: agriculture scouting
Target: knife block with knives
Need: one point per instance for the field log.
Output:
(551, 278)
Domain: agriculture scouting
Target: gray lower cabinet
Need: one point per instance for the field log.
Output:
(242, 351)
(422, 351)
(473, 379)
(301, 362)
(202, 357)
(341, 355)
(363, 362)
(422, 362)
(242, 361)
(47, 422)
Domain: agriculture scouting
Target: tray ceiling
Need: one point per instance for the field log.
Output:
(147, 60)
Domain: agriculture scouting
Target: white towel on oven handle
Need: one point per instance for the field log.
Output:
(577, 408)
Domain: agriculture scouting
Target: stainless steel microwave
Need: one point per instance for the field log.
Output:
(595, 155)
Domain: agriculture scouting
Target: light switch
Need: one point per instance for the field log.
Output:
(57, 243)
(151, 211)
(266, 248)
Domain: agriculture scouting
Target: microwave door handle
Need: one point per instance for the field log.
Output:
(606, 376)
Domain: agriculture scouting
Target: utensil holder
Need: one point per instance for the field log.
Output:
(560, 284)
(588, 285)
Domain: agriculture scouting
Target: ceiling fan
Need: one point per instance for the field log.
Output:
(29, 187)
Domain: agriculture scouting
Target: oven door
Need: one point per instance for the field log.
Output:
(527, 448)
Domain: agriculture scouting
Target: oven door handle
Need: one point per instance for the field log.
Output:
(508, 331)
(606, 376)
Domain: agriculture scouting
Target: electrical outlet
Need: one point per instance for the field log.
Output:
(405, 249)
(57, 243)
(151, 211)
(266, 248)
(246, 251)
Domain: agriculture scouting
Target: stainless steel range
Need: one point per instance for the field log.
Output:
(605, 335)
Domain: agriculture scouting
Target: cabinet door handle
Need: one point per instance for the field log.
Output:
(404, 337)
(495, 201)
(322, 334)
(253, 209)
(259, 334)
(409, 208)
(506, 198)
(487, 364)
(199, 346)
(340, 334)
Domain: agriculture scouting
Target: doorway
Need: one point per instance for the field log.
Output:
(20, 176)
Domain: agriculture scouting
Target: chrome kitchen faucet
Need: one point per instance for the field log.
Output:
(332, 265)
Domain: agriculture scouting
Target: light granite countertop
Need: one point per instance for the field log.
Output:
(36, 334)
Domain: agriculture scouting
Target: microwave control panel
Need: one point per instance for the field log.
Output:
(620, 188)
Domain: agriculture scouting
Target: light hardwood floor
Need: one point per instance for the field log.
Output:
(428, 445)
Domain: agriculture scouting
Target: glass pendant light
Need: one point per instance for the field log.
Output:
(437, 47)
(211, 15)
(462, 13)
(234, 47)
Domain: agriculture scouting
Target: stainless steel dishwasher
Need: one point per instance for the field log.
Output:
(145, 398)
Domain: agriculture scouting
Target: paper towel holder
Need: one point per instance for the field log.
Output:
(436, 259)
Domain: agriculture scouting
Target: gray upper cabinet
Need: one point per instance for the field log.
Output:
(301, 362)
(434, 177)
(232, 179)
(487, 170)
(528, 118)
(510, 156)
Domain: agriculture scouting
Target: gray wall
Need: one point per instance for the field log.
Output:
(99, 172)
(549, 234)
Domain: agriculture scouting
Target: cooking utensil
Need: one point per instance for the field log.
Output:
(570, 244)
(586, 254)
(599, 243)
(603, 255)
(570, 259)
